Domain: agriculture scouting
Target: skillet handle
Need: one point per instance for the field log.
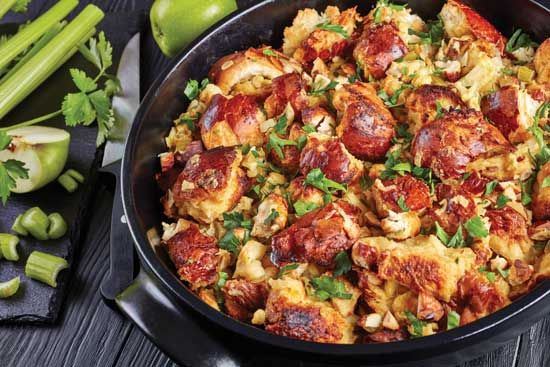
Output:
(165, 321)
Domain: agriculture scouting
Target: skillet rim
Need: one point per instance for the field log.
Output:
(435, 345)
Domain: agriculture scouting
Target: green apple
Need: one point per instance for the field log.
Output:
(176, 23)
(44, 150)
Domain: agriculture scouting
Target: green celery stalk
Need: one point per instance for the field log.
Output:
(5, 6)
(43, 41)
(33, 31)
(50, 58)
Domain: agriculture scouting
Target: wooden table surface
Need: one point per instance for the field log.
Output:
(89, 333)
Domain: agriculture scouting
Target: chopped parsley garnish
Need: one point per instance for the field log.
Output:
(357, 76)
(365, 182)
(394, 166)
(491, 277)
(285, 269)
(277, 143)
(335, 28)
(230, 242)
(433, 36)
(318, 91)
(542, 112)
(222, 279)
(543, 155)
(503, 272)
(343, 263)
(302, 207)
(439, 110)
(402, 204)
(456, 241)
(526, 189)
(189, 122)
(236, 220)
(453, 320)
(271, 217)
(269, 52)
(502, 200)
(476, 227)
(417, 325)
(402, 132)
(426, 175)
(193, 88)
(519, 40)
(301, 142)
(545, 182)
(490, 187)
(393, 100)
(507, 71)
(10, 170)
(441, 234)
(327, 287)
(309, 128)
(281, 125)
(317, 178)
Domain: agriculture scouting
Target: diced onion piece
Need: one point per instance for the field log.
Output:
(45, 267)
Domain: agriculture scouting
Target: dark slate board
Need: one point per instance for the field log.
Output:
(37, 302)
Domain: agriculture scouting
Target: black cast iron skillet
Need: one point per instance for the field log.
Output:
(189, 330)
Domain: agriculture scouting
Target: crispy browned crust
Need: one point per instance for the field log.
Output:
(480, 27)
(447, 145)
(291, 154)
(331, 157)
(367, 126)
(378, 47)
(241, 113)
(507, 223)
(477, 297)
(542, 62)
(541, 196)
(300, 321)
(415, 192)
(242, 298)
(195, 256)
(429, 308)
(386, 336)
(459, 207)
(286, 88)
(422, 103)
(318, 236)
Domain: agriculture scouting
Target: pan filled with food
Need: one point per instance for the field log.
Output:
(351, 181)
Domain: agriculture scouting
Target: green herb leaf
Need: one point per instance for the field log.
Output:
(21, 6)
(269, 52)
(417, 325)
(336, 28)
(545, 182)
(441, 234)
(503, 273)
(222, 278)
(10, 170)
(476, 227)
(402, 132)
(277, 143)
(519, 40)
(302, 207)
(526, 188)
(193, 88)
(393, 100)
(230, 242)
(104, 114)
(236, 220)
(77, 109)
(426, 175)
(434, 35)
(343, 263)
(457, 240)
(285, 269)
(327, 287)
(316, 178)
(439, 109)
(309, 128)
(501, 201)
(271, 217)
(190, 123)
(281, 125)
(402, 204)
(490, 187)
(491, 277)
(5, 140)
(318, 91)
(453, 320)
(82, 81)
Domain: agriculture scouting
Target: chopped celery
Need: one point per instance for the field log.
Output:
(33, 31)
(18, 228)
(8, 245)
(5, 6)
(9, 288)
(45, 267)
(46, 61)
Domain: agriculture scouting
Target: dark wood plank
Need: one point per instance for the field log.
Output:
(533, 349)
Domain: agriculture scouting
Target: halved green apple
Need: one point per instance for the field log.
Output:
(44, 150)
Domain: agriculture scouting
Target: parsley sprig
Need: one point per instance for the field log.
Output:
(317, 178)
(10, 170)
(319, 91)
(303, 207)
(518, 40)
(393, 101)
(335, 28)
(328, 287)
(394, 166)
(433, 36)
(416, 324)
(193, 88)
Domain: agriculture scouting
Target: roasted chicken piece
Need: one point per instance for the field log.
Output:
(290, 312)
(422, 104)
(330, 156)
(454, 206)
(316, 41)
(508, 234)
(196, 256)
(541, 195)
(542, 62)
(512, 111)
(242, 298)
(211, 184)
(422, 264)
(461, 20)
(232, 121)
(366, 126)
(288, 88)
(251, 71)
(378, 46)
(318, 236)
(478, 297)
(387, 193)
(449, 144)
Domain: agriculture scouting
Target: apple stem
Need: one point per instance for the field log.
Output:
(33, 121)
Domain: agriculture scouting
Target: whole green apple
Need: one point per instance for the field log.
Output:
(43, 150)
(176, 23)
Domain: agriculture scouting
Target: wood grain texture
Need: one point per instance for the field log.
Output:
(91, 334)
